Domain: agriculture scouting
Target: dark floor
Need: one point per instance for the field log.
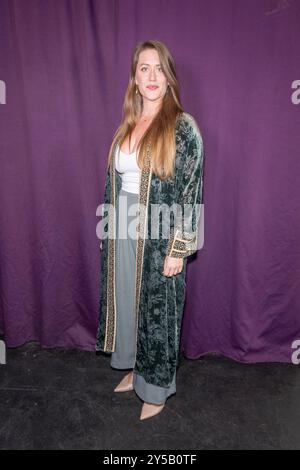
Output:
(63, 399)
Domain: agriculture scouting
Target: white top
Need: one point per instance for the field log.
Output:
(126, 164)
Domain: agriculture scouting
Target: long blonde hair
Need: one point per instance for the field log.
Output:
(161, 131)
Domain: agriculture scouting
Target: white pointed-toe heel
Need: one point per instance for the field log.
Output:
(150, 409)
(126, 384)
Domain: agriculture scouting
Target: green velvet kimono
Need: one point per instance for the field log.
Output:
(159, 299)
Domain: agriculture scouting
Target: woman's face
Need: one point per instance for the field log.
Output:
(149, 73)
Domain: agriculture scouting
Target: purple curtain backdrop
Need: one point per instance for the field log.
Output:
(65, 65)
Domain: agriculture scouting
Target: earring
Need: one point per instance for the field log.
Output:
(136, 90)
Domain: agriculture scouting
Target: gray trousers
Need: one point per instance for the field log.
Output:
(124, 355)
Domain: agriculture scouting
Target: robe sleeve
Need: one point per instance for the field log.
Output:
(184, 235)
(105, 204)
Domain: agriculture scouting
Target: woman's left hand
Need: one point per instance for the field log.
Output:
(172, 266)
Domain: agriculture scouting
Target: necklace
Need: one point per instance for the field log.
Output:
(143, 119)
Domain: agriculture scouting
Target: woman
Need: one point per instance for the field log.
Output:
(155, 162)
